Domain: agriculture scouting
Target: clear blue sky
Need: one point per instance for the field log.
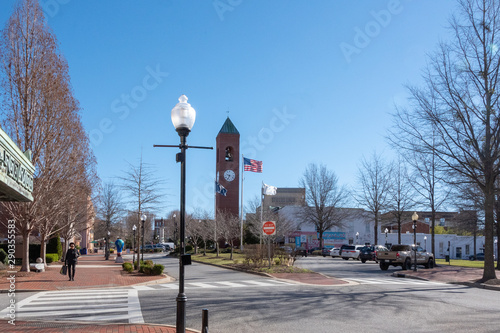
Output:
(300, 82)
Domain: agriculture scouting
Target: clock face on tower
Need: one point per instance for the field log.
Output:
(229, 175)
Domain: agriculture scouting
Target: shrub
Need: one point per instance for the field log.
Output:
(157, 269)
(54, 245)
(148, 263)
(51, 257)
(147, 269)
(127, 266)
(189, 248)
(4, 258)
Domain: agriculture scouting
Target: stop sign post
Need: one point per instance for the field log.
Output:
(269, 228)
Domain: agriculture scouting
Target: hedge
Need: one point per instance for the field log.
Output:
(51, 257)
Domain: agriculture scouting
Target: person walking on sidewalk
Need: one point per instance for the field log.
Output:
(71, 259)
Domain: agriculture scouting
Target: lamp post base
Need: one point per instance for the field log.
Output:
(181, 313)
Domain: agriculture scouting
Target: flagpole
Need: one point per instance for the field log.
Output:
(215, 220)
(241, 205)
(261, 209)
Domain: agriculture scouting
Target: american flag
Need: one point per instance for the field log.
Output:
(252, 165)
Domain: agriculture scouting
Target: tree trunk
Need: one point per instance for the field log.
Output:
(25, 266)
(489, 204)
(138, 242)
(376, 227)
(43, 249)
(433, 234)
(399, 230)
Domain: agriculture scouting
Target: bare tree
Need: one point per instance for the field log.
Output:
(458, 106)
(401, 194)
(324, 197)
(228, 226)
(253, 224)
(374, 187)
(429, 182)
(110, 213)
(143, 191)
(39, 113)
(206, 229)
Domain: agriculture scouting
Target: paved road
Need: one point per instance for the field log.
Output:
(239, 302)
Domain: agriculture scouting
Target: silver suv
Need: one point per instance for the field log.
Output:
(351, 251)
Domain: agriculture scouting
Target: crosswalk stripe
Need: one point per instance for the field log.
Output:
(203, 285)
(134, 308)
(103, 305)
(395, 281)
(142, 288)
(231, 284)
(27, 312)
(259, 283)
(168, 285)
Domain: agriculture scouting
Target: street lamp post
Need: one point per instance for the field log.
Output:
(357, 236)
(143, 220)
(183, 117)
(134, 228)
(175, 230)
(386, 231)
(425, 242)
(414, 217)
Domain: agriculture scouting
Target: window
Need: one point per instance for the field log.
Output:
(467, 250)
(441, 221)
(441, 245)
(426, 220)
(367, 228)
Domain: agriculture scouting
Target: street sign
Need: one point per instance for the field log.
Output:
(269, 228)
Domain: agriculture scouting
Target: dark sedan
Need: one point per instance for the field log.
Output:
(369, 252)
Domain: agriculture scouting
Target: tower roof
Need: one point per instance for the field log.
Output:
(228, 127)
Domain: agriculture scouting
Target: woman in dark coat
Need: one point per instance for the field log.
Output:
(71, 259)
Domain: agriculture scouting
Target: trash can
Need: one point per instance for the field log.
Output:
(447, 258)
(83, 251)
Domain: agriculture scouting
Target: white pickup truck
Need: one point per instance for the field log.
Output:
(404, 256)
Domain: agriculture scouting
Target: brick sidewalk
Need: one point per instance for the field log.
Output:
(65, 327)
(92, 271)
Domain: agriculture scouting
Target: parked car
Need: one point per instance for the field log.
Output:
(404, 256)
(325, 252)
(335, 252)
(341, 248)
(368, 252)
(286, 249)
(480, 257)
(312, 249)
(351, 251)
(300, 251)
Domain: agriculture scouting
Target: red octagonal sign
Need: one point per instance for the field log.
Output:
(269, 228)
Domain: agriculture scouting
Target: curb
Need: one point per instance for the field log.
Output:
(467, 284)
(347, 283)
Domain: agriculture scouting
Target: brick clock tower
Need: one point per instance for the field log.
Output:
(228, 168)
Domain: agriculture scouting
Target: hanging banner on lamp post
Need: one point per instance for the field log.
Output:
(269, 228)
